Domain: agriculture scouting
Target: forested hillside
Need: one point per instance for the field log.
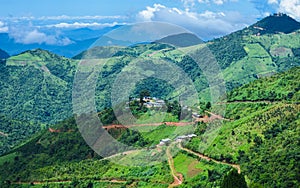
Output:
(262, 137)
(263, 134)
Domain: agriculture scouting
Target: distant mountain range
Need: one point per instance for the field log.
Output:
(181, 40)
(83, 38)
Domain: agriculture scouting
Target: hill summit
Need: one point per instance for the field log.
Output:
(276, 23)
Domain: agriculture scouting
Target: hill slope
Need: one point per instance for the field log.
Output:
(36, 86)
(277, 23)
(263, 136)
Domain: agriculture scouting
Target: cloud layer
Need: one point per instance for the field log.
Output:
(3, 28)
(35, 36)
(291, 7)
(206, 18)
(206, 24)
(76, 25)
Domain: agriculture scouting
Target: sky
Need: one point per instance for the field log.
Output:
(42, 21)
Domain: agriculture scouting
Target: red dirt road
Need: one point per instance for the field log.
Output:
(177, 124)
(178, 178)
(236, 166)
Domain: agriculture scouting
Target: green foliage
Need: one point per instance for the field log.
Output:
(132, 138)
(31, 92)
(14, 131)
(233, 180)
(263, 136)
(197, 172)
(228, 49)
(47, 148)
(284, 86)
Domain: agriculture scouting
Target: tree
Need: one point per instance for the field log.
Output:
(143, 93)
(233, 180)
(208, 105)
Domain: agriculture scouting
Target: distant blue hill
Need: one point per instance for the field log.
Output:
(3, 54)
(83, 38)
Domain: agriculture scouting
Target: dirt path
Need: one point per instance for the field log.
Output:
(177, 124)
(122, 153)
(216, 116)
(236, 166)
(178, 178)
(240, 101)
(3, 134)
(155, 52)
(67, 181)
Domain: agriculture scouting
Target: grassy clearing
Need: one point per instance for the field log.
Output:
(199, 172)
(163, 131)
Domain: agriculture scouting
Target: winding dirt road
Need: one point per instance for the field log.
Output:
(177, 124)
(216, 116)
(236, 166)
(178, 178)
(66, 181)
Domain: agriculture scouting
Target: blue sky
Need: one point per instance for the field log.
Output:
(207, 18)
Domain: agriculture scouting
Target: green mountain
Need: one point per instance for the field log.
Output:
(181, 40)
(277, 23)
(13, 132)
(263, 134)
(36, 86)
(245, 56)
(262, 137)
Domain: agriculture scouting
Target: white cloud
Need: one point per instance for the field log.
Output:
(82, 25)
(291, 7)
(203, 1)
(188, 3)
(148, 14)
(35, 36)
(207, 24)
(66, 17)
(3, 28)
(217, 2)
(273, 1)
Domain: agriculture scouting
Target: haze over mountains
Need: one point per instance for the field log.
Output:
(81, 39)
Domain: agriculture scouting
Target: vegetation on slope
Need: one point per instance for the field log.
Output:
(13, 132)
(263, 136)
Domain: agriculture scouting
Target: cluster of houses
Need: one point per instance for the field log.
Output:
(196, 115)
(153, 102)
(167, 141)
